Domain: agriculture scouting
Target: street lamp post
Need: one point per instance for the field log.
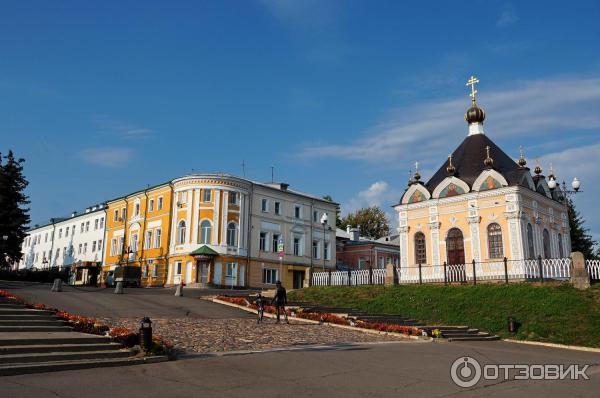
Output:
(324, 223)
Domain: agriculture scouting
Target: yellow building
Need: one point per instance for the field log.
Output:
(480, 206)
(220, 230)
(137, 233)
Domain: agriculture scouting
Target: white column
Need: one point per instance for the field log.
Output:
(216, 212)
(224, 209)
(475, 239)
(195, 214)
(242, 220)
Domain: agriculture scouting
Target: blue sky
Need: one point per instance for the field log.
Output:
(342, 97)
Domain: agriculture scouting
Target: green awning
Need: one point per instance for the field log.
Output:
(204, 251)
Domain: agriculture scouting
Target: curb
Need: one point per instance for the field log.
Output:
(554, 345)
(335, 325)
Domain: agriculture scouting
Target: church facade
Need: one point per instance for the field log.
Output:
(481, 206)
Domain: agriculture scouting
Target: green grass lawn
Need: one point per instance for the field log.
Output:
(556, 313)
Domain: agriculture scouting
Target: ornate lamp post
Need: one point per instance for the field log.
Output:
(324, 220)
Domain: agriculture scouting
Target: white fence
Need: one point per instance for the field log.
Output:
(593, 268)
(344, 278)
(510, 270)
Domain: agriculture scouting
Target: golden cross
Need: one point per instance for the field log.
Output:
(521, 151)
(450, 160)
(487, 150)
(472, 82)
(416, 167)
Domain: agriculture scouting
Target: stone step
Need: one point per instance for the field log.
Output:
(10, 370)
(452, 332)
(24, 311)
(25, 349)
(26, 317)
(35, 329)
(32, 322)
(61, 356)
(457, 335)
(49, 338)
(475, 338)
(440, 328)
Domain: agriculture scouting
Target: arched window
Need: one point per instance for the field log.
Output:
(561, 250)
(205, 232)
(530, 241)
(546, 236)
(495, 249)
(232, 234)
(420, 248)
(181, 233)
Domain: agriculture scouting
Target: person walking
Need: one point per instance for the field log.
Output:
(260, 303)
(280, 301)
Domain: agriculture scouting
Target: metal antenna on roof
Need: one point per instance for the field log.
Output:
(272, 174)
(243, 168)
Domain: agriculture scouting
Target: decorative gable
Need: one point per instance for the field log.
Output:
(450, 186)
(415, 193)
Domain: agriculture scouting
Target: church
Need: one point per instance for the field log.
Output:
(480, 207)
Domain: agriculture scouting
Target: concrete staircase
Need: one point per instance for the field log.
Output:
(33, 341)
(451, 333)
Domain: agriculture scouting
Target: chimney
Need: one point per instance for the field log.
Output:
(355, 234)
(73, 214)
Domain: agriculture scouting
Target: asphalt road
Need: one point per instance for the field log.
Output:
(368, 370)
(135, 302)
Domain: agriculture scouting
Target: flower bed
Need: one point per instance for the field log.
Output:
(83, 324)
(330, 318)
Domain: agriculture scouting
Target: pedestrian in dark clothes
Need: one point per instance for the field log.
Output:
(280, 301)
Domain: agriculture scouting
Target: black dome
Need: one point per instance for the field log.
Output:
(475, 115)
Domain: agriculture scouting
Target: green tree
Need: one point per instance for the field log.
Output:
(581, 240)
(372, 222)
(14, 215)
(338, 220)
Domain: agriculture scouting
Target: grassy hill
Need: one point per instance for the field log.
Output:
(555, 313)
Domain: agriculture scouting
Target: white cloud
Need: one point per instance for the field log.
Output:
(507, 17)
(123, 129)
(379, 193)
(535, 108)
(107, 156)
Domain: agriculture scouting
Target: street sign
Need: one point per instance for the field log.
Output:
(280, 247)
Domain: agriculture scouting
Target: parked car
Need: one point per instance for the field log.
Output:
(129, 275)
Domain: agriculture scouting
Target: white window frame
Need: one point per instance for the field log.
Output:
(159, 206)
(151, 205)
(270, 276)
(206, 191)
(264, 205)
(157, 237)
(277, 208)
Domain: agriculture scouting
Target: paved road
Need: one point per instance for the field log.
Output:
(375, 370)
(135, 303)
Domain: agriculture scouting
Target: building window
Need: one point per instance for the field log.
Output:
(297, 212)
(420, 248)
(315, 249)
(96, 221)
(264, 205)
(113, 247)
(57, 252)
(157, 237)
(178, 268)
(232, 234)
(121, 245)
(46, 237)
(145, 275)
(269, 276)
(233, 198)
(262, 243)
(183, 197)
(93, 246)
(546, 237)
(230, 270)
(133, 242)
(151, 205)
(136, 210)
(381, 263)
(495, 249)
(530, 245)
(124, 213)
(561, 251)
(59, 235)
(80, 247)
(275, 240)
(181, 233)
(362, 263)
(154, 270)
(160, 203)
(327, 252)
(87, 226)
(296, 246)
(278, 208)
(115, 215)
(315, 216)
(148, 242)
(82, 227)
(99, 244)
(206, 194)
(205, 232)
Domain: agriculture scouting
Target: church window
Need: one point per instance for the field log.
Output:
(530, 241)
(546, 236)
(561, 251)
(181, 233)
(495, 249)
(420, 248)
